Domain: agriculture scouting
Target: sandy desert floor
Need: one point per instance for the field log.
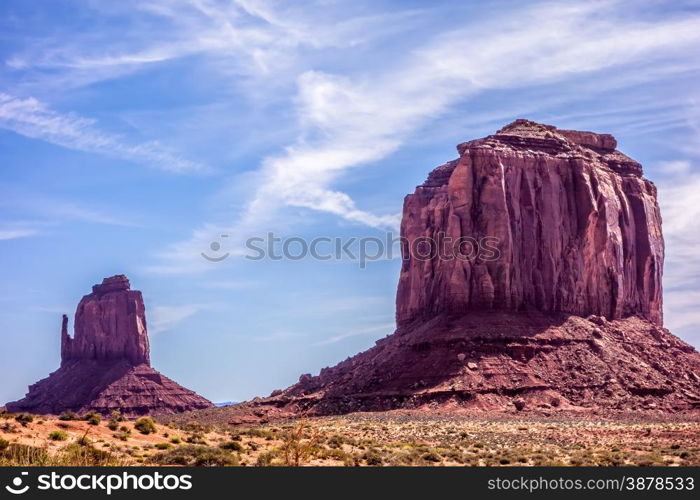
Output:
(374, 439)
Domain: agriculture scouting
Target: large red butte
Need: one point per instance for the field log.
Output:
(577, 226)
(568, 316)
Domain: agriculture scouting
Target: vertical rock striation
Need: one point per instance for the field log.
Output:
(110, 323)
(576, 226)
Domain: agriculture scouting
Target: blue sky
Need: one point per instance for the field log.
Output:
(135, 133)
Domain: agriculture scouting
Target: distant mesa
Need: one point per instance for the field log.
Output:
(106, 365)
(568, 317)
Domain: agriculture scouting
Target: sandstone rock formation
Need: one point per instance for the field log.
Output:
(566, 313)
(106, 365)
(576, 225)
(110, 323)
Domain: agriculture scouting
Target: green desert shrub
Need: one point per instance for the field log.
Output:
(163, 446)
(373, 457)
(194, 455)
(69, 415)
(336, 441)
(4, 443)
(58, 436)
(265, 459)
(432, 456)
(8, 427)
(24, 419)
(79, 455)
(94, 419)
(117, 416)
(196, 438)
(145, 425)
(123, 435)
(114, 419)
(231, 446)
(24, 455)
(332, 454)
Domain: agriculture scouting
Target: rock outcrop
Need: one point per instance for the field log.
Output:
(105, 366)
(575, 227)
(110, 323)
(531, 281)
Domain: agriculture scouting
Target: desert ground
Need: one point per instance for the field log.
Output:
(361, 439)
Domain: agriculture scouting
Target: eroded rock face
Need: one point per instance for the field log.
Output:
(106, 365)
(565, 316)
(110, 323)
(576, 226)
(502, 362)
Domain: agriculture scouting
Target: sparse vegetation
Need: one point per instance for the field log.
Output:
(145, 425)
(373, 457)
(231, 446)
(123, 434)
(114, 419)
(24, 455)
(78, 454)
(24, 419)
(359, 439)
(58, 436)
(297, 445)
(265, 459)
(93, 418)
(195, 455)
(196, 438)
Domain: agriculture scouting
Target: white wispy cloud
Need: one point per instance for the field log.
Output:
(164, 318)
(351, 121)
(387, 328)
(246, 37)
(38, 213)
(681, 309)
(348, 123)
(32, 118)
(677, 192)
(13, 233)
(678, 197)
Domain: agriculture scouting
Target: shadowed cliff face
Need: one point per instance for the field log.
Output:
(106, 365)
(110, 323)
(576, 226)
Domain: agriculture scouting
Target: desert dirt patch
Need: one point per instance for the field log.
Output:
(374, 439)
